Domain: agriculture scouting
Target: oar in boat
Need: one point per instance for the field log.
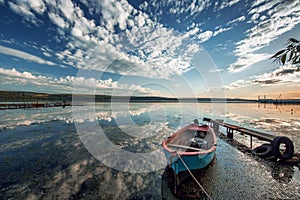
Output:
(183, 147)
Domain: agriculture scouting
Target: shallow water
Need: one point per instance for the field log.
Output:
(46, 153)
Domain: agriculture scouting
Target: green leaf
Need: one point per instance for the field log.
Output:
(290, 47)
(295, 59)
(278, 53)
(293, 40)
(291, 56)
(283, 58)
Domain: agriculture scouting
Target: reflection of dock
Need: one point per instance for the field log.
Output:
(278, 101)
(5, 106)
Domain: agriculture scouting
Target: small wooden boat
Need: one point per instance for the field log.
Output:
(190, 148)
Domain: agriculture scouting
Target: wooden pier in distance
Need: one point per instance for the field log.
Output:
(5, 106)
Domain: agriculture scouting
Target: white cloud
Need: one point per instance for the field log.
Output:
(37, 5)
(255, 17)
(260, 6)
(142, 48)
(24, 55)
(237, 84)
(197, 6)
(229, 3)
(181, 10)
(281, 17)
(27, 9)
(207, 35)
(239, 19)
(246, 60)
(204, 36)
(221, 30)
(67, 8)
(140, 20)
(116, 13)
(150, 50)
(21, 9)
(13, 78)
(192, 32)
(286, 75)
(57, 20)
(139, 46)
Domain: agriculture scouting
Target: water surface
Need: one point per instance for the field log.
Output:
(42, 155)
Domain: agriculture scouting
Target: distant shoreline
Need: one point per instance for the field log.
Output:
(21, 96)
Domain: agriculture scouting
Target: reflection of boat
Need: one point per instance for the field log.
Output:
(192, 147)
(188, 188)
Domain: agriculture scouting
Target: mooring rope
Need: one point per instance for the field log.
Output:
(193, 176)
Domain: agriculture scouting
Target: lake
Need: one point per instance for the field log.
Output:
(112, 151)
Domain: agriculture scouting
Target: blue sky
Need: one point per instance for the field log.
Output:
(187, 48)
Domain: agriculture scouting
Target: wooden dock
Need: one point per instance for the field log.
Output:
(252, 133)
(282, 147)
(5, 106)
(230, 129)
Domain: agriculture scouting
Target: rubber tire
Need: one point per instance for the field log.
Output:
(263, 151)
(289, 150)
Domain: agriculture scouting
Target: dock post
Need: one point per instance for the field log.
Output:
(215, 127)
(229, 133)
(250, 141)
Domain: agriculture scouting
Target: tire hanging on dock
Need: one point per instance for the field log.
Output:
(283, 154)
(263, 151)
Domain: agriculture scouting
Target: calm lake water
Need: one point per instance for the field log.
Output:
(112, 151)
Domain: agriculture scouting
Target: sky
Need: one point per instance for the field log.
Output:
(170, 48)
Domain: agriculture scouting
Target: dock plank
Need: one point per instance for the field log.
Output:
(254, 133)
